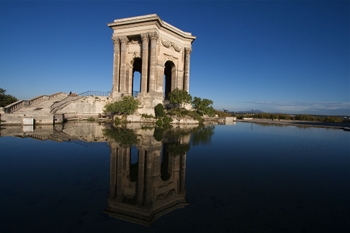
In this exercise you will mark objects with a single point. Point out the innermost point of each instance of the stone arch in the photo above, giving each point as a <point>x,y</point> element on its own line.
<point>169,77</point>
<point>136,76</point>
<point>134,163</point>
<point>165,166</point>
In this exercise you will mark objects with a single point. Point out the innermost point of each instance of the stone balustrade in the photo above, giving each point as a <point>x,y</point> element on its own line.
<point>38,99</point>
<point>53,96</point>
<point>21,103</point>
<point>14,106</point>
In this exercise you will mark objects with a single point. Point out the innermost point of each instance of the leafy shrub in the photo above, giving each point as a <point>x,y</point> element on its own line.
<point>158,134</point>
<point>159,110</point>
<point>127,106</point>
<point>117,121</point>
<point>91,119</point>
<point>203,106</point>
<point>159,122</point>
<point>146,115</point>
<point>179,97</point>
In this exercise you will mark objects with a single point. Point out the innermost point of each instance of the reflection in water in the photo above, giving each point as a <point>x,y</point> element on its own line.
<point>147,164</point>
<point>143,189</point>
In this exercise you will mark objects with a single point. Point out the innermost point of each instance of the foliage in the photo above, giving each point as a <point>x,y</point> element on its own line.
<point>184,112</point>
<point>125,137</point>
<point>159,110</point>
<point>6,99</point>
<point>158,134</point>
<point>299,117</point>
<point>222,113</point>
<point>203,106</point>
<point>91,119</point>
<point>159,122</point>
<point>127,106</point>
<point>117,121</point>
<point>266,115</point>
<point>333,119</point>
<point>176,148</point>
<point>163,119</point>
<point>144,115</point>
<point>179,97</point>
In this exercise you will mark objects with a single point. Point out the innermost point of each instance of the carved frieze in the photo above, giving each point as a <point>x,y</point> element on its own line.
<point>134,42</point>
<point>136,55</point>
<point>168,44</point>
<point>169,57</point>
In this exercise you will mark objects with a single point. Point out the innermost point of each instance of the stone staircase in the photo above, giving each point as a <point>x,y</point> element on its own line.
<point>38,108</point>
<point>58,105</point>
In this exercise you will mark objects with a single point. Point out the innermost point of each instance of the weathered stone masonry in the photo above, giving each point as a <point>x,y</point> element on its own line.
<point>157,50</point>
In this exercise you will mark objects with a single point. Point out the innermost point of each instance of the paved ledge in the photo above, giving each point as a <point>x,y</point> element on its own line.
<point>334,125</point>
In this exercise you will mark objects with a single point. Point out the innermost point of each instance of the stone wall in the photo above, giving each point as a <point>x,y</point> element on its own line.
<point>89,106</point>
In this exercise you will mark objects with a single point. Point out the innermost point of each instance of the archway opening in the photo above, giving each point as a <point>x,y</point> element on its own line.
<point>136,76</point>
<point>134,164</point>
<point>164,167</point>
<point>169,75</point>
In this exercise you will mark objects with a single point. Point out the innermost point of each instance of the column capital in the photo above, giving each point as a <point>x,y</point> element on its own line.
<point>115,39</point>
<point>153,35</point>
<point>123,39</point>
<point>188,50</point>
<point>144,36</point>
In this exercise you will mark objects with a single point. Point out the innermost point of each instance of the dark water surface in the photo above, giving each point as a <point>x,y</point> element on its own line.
<point>225,178</point>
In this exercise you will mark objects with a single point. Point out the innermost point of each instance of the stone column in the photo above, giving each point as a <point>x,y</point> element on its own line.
<point>119,180</point>
<point>182,173</point>
<point>159,78</point>
<point>148,179</point>
<point>123,40</point>
<point>130,76</point>
<point>152,69</point>
<point>141,180</point>
<point>113,170</point>
<point>144,72</point>
<point>116,65</point>
<point>186,86</point>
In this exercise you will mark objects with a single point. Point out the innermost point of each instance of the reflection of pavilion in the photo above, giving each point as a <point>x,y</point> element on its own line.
<point>142,191</point>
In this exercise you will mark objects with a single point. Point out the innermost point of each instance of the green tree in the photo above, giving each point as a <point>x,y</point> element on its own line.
<point>6,99</point>
<point>179,97</point>
<point>203,106</point>
<point>126,106</point>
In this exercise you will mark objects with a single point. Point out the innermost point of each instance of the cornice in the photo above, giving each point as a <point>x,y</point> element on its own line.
<point>154,18</point>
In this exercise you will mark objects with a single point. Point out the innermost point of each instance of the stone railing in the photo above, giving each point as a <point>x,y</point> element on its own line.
<point>95,93</point>
<point>14,106</point>
<point>21,103</point>
<point>53,96</point>
<point>38,99</point>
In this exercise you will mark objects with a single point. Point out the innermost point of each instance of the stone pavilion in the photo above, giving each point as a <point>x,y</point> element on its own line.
<point>158,51</point>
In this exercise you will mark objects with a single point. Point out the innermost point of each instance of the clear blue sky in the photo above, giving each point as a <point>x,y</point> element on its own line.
<point>275,56</point>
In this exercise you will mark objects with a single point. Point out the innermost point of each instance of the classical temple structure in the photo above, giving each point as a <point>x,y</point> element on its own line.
<point>157,50</point>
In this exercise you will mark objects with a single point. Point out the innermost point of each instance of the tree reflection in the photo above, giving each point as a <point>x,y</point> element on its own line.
<point>124,136</point>
<point>202,135</point>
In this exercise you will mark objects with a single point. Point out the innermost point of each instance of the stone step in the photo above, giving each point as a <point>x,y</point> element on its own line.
<point>39,108</point>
